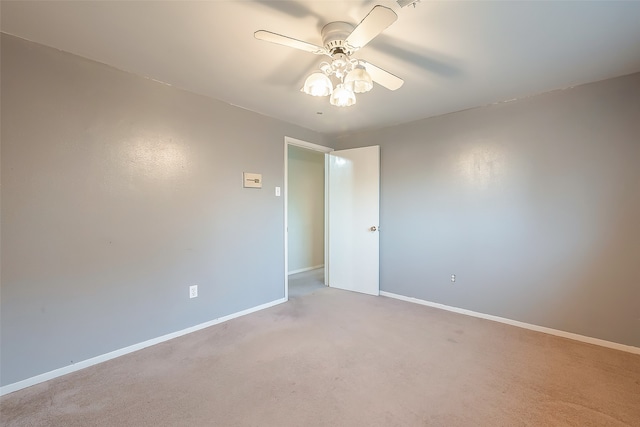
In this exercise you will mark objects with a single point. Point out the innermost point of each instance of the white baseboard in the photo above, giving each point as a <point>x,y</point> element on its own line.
<point>302,270</point>
<point>556,332</point>
<point>10,388</point>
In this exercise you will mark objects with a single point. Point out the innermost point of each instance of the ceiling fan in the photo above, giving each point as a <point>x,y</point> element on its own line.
<point>340,40</point>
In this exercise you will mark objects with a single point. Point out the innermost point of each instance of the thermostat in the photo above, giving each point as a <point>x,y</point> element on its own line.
<point>251,180</point>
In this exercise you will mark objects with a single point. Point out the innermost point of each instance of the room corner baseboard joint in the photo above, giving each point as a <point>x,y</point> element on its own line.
<point>302,270</point>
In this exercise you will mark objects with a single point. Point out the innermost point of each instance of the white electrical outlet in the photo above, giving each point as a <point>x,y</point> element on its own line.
<point>193,291</point>
<point>453,277</point>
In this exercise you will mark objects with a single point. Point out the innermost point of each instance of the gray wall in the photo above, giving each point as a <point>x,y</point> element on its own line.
<point>305,208</point>
<point>117,194</point>
<point>533,204</point>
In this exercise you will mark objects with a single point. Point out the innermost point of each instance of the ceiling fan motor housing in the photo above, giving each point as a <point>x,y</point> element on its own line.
<point>334,35</point>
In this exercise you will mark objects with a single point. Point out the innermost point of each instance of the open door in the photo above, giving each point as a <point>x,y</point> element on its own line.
<point>353,219</point>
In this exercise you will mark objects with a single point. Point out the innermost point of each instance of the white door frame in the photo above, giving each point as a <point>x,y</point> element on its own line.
<point>321,148</point>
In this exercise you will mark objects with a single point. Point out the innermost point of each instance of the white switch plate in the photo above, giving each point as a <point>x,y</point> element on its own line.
<point>193,291</point>
<point>278,191</point>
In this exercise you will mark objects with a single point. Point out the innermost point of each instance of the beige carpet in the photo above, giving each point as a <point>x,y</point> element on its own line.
<point>335,358</point>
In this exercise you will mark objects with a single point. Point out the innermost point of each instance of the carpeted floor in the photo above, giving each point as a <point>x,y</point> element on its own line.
<point>335,358</point>
<point>306,282</point>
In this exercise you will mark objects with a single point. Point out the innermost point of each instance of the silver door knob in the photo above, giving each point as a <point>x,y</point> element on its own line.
<point>373,228</point>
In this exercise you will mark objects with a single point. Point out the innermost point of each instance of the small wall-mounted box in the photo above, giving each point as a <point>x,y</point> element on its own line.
<point>251,180</point>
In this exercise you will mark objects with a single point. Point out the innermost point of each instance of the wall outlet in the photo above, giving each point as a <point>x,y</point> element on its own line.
<point>193,291</point>
<point>453,277</point>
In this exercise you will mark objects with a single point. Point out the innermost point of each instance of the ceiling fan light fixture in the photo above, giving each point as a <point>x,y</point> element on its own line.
<point>318,84</point>
<point>340,40</point>
<point>359,80</point>
<point>342,97</point>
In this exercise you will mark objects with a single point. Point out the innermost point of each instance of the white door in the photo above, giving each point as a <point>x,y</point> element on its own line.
<point>354,199</point>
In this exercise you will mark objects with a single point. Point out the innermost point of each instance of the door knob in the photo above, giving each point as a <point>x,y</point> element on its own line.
<point>373,228</point>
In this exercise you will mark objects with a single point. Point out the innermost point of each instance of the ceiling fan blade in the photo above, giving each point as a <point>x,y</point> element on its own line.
<point>382,77</point>
<point>373,24</point>
<point>288,41</point>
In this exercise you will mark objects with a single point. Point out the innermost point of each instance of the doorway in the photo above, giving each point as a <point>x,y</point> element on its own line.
<point>351,218</point>
<point>305,209</point>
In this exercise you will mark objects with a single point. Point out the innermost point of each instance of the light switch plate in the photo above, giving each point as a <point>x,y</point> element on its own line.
<point>251,180</point>
<point>277,191</point>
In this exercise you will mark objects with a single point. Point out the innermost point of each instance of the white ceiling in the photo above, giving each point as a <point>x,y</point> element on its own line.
<point>452,55</point>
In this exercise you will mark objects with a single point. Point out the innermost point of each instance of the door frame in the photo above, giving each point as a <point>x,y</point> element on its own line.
<point>315,147</point>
